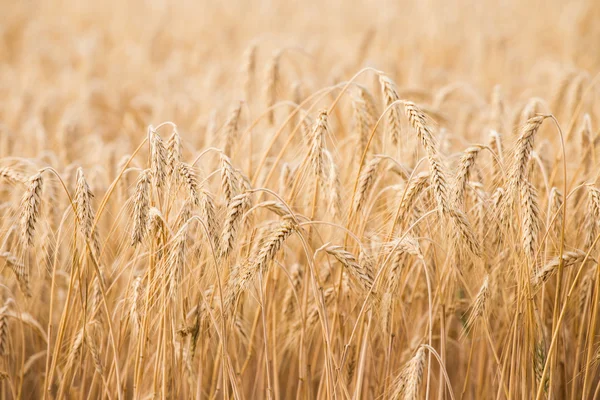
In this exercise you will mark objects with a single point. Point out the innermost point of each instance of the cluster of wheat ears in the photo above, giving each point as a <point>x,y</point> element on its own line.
<point>352,237</point>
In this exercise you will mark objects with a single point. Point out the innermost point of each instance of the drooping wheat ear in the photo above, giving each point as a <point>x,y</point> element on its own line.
<point>366,260</point>
<point>83,205</point>
<point>275,207</point>
<point>173,154</point>
<point>4,330</point>
<point>229,181</point>
<point>176,261</point>
<point>534,106</point>
<point>296,274</point>
<point>95,299</point>
<point>273,244</point>
<point>466,163</point>
<point>495,142</point>
<point>497,110</point>
<point>480,304</point>
<point>316,156</point>
<point>313,314</point>
<point>158,159</point>
<point>362,117</point>
<point>539,360</point>
<point>419,122</point>
<point>156,229</point>
<point>285,178</point>
<point>524,147</point>
<point>208,214</point>
<point>185,213</point>
<point>136,300</point>
<point>412,191</point>
<point>141,205</point>
<point>407,384</point>
<point>188,176</point>
<point>587,142</point>
<point>11,176</point>
<point>306,124</point>
<point>403,171</point>
<point>236,209</point>
<point>547,271</point>
<point>498,202</point>
<point>530,219</point>
<point>360,274</point>
<point>272,78</point>
<point>333,187</point>
<point>30,208</point>
<point>365,183</point>
<point>592,216</point>
<point>239,279</point>
<point>585,289</point>
<point>463,232</point>
<point>406,245</point>
<point>196,330</point>
<point>390,95</point>
<point>403,246</point>
<point>249,71</point>
<point>386,310</point>
<point>482,217</point>
<point>19,269</point>
<point>155,222</point>
<point>75,349</point>
<point>230,130</point>
<point>93,335</point>
<point>556,209</point>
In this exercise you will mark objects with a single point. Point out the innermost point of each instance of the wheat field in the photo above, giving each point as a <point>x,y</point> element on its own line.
<point>314,200</point>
